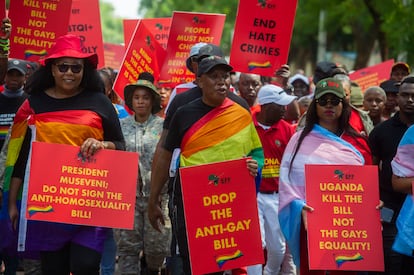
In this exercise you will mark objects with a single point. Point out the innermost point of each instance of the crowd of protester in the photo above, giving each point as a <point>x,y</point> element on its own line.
<point>279,121</point>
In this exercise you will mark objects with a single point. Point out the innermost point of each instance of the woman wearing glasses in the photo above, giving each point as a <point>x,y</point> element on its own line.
<point>66,105</point>
<point>322,141</point>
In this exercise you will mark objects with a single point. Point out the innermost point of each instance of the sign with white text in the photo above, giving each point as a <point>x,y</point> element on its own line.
<point>344,230</point>
<point>85,21</point>
<point>69,188</point>
<point>187,29</point>
<point>262,36</point>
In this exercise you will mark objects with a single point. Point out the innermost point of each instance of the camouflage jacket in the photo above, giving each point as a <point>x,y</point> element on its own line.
<point>142,138</point>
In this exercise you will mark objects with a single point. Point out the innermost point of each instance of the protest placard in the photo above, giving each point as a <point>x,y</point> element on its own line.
<point>344,230</point>
<point>3,8</point>
<point>144,54</point>
<point>187,29</point>
<point>69,188</point>
<point>221,216</point>
<point>85,21</point>
<point>159,27</point>
<point>113,54</point>
<point>36,25</point>
<point>262,36</point>
<point>372,75</point>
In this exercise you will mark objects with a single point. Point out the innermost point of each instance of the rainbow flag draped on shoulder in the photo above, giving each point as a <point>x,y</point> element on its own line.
<point>15,142</point>
<point>48,123</point>
<point>18,133</point>
<point>403,166</point>
<point>204,143</point>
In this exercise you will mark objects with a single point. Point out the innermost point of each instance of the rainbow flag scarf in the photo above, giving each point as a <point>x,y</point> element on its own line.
<point>18,133</point>
<point>227,132</point>
<point>403,166</point>
<point>15,142</point>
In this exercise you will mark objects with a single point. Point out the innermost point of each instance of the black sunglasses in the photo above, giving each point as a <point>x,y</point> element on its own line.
<point>333,101</point>
<point>64,67</point>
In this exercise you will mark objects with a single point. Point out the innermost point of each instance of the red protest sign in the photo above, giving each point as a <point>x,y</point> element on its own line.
<point>221,216</point>
<point>159,27</point>
<point>85,21</point>
<point>344,230</point>
<point>64,188</point>
<point>144,54</point>
<point>36,25</point>
<point>373,75</point>
<point>129,28</point>
<point>262,36</point>
<point>187,29</point>
<point>3,8</point>
<point>113,53</point>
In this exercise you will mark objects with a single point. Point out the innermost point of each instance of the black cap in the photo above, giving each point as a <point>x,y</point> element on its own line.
<point>19,65</point>
<point>146,76</point>
<point>209,50</point>
<point>390,86</point>
<point>210,62</point>
<point>325,69</point>
<point>407,79</point>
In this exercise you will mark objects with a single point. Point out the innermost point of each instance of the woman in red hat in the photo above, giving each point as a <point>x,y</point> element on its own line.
<point>66,105</point>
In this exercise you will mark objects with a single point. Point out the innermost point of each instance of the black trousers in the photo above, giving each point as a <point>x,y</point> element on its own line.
<point>73,258</point>
<point>180,264</point>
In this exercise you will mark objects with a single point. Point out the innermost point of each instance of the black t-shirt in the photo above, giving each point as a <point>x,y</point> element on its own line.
<point>8,109</point>
<point>190,95</point>
<point>184,117</point>
<point>384,140</point>
<point>85,102</point>
<point>182,120</point>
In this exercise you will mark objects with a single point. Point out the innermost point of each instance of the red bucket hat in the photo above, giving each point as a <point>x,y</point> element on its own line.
<point>69,45</point>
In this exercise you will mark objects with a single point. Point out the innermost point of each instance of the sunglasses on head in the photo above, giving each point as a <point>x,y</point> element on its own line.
<point>64,67</point>
<point>333,101</point>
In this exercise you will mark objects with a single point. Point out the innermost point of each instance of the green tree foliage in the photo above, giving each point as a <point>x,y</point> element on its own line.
<point>354,25</point>
<point>351,25</point>
<point>164,8</point>
<point>112,28</point>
